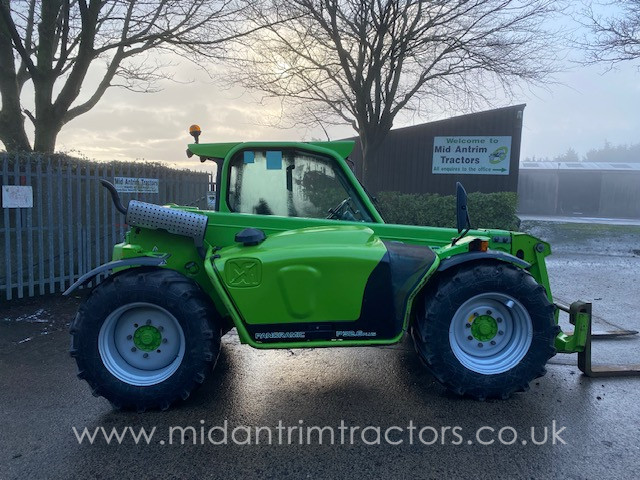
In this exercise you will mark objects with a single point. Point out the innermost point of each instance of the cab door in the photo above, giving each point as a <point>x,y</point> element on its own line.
<point>312,283</point>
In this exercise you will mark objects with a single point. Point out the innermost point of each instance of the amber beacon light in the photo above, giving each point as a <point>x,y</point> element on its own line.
<point>194,131</point>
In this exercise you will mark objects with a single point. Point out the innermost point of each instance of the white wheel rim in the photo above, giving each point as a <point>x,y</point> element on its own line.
<point>124,358</point>
<point>501,344</point>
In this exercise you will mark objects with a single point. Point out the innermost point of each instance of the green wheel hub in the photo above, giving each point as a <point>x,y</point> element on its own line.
<point>147,338</point>
<point>484,328</point>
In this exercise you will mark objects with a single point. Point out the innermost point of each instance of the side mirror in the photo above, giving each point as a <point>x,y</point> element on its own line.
<point>463,222</point>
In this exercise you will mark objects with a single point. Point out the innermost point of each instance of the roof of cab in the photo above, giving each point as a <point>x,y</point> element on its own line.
<point>220,150</point>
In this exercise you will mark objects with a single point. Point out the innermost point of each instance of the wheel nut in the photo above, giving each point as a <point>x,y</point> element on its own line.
<point>468,325</point>
<point>480,345</point>
<point>160,328</point>
<point>148,322</point>
<point>500,332</point>
<point>493,342</point>
<point>133,349</point>
<point>469,337</point>
<point>499,320</point>
<point>145,355</point>
<point>488,312</point>
<point>129,337</point>
<point>475,314</point>
<point>164,340</point>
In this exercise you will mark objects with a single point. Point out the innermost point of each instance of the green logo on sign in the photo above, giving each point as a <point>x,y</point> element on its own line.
<point>499,155</point>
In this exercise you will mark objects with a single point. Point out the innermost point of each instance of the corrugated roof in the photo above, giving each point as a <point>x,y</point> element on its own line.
<point>584,166</point>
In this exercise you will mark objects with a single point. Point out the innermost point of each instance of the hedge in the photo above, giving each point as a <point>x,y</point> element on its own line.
<point>487,210</point>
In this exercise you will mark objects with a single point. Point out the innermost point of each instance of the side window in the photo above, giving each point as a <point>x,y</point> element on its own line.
<point>291,183</point>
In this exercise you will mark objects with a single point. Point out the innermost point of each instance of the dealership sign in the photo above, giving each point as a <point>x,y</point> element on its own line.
<point>136,185</point>
<point>471,155</point>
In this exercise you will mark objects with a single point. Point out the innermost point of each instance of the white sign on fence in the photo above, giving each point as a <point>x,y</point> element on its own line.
<point>136,185</point>
<point>471,155</point>
<point>16,196</point>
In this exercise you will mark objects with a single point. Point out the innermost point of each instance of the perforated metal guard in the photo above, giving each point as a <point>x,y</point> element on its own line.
<point>155,217</point>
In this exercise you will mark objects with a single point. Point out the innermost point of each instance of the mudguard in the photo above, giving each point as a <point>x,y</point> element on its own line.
<point>488,255</point>
<point>127,262</point>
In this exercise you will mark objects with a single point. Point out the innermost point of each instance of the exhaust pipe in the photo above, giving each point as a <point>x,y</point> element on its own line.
<point>114,196</point>
<point>155,217</point>
<point>178,222</point>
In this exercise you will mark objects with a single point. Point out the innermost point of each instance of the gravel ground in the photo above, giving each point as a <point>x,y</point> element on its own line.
<point>597,263</point>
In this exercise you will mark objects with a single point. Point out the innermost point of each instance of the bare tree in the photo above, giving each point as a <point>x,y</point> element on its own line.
<point>361,62</point>
<point>55,43</point>
<point>613,38</point>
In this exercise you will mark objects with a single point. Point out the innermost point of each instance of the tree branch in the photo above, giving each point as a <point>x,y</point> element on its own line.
<point>5,15</point>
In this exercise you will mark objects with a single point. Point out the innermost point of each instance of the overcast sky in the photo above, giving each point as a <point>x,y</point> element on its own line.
<point>587,107</point>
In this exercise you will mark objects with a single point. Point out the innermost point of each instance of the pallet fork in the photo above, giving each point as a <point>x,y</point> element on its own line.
<point>581,341</point>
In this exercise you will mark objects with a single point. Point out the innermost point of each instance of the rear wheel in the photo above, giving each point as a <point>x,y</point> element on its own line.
<point>145,338</point>
<point>486,330</point>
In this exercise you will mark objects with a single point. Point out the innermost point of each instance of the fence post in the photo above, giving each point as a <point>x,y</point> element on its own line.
<point>107,241</point>
<point>41,281</point>
<point>7,229</point>
<point>30,265</point>
<point>18,253</point>
<point>78,219</point>
<point>60,224</point>
<point>96,198</point>
<point>87,225</point>
<point>52,271</point>
<point>70,224</point>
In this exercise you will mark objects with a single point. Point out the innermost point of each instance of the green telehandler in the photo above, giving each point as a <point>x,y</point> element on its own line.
<point>296,255</point>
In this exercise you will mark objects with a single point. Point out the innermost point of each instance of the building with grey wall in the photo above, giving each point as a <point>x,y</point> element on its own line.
<point>482,150</point>
<point>580,188</point>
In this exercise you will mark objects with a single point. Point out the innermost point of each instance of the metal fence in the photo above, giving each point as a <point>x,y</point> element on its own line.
<point>73,225</point>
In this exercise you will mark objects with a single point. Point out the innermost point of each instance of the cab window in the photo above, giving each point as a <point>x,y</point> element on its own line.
<point>292,183</point>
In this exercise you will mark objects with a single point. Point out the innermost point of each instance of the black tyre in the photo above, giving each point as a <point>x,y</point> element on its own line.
<point>145,338</point>
<point>486,330</point>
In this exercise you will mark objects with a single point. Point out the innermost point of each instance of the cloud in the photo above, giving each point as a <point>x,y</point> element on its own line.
<point>587,108</point>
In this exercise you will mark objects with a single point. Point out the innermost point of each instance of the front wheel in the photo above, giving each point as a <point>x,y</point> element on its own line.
<point>145,338</point>
<point>486,330</point>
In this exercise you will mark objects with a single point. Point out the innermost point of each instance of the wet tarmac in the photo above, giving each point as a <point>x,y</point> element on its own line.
<point>386,389</point>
